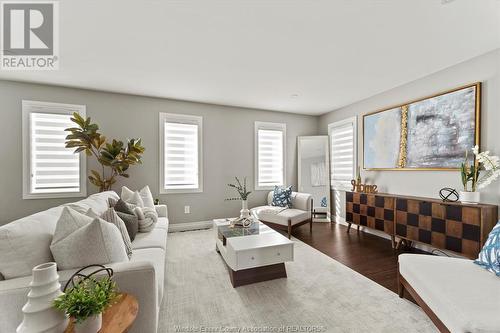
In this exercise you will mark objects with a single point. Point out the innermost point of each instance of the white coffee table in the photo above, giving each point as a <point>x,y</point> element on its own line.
<point>252,254</point>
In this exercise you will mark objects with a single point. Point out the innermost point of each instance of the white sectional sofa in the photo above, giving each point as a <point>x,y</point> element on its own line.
<point>25,242</point>
<point>457,295</point>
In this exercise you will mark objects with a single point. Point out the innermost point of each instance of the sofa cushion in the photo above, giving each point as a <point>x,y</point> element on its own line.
<point>153,239</point>
<point>24,243</point>
<point>111,217</point>
<point>145,194</point>
<point>464,296</point>
<point>280,215</point>
<point>80,240</point>
<point>156,256</point>
<point>282,196</point>
<point>489,257</point>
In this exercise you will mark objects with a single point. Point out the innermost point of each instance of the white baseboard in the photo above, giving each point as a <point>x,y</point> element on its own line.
<point>177,227</point>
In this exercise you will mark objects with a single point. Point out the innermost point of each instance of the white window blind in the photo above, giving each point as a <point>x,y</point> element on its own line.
<point>51,169</point>
<point>181,153</point>
<point>342,152</point>
<point>270,155</point>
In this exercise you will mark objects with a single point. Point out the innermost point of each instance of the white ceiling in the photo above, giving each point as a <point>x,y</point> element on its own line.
<point>298,56</point>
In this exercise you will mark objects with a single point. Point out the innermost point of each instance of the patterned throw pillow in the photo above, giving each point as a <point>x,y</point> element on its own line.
<point>489,257</point>
<point>282,196</point>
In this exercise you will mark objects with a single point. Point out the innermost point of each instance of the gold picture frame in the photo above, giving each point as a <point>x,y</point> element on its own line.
<point>403,132</point>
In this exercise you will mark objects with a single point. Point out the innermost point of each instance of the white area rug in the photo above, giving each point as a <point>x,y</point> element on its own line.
<point>319,295</point>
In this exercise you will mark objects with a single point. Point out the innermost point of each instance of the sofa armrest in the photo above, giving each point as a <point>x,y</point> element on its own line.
<point>302,201</point>
<point>161,210</point>
<point>135,278</point>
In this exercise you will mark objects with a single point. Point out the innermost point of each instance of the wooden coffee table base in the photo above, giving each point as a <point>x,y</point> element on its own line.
<point>257,274</point>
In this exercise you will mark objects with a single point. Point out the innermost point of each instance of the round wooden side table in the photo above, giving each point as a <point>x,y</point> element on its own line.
<point>117,318</point>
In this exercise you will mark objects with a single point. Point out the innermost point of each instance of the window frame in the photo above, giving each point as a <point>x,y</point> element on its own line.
<point>261,125</point>
<point>183,119</point>
<point>29,107</point>
<point>354,121</point>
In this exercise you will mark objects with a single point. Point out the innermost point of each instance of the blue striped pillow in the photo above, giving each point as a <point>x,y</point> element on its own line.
<point>282,196</point>
<point>489,257</point>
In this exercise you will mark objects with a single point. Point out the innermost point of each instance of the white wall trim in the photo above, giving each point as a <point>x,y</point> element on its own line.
<point>183,119</point>
<point>28,107</point>
<point>178,227</point>
<point>261,125</point>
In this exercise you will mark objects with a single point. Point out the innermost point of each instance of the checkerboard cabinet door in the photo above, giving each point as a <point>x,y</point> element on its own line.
<point>372,211</point>
<point>448,226</point>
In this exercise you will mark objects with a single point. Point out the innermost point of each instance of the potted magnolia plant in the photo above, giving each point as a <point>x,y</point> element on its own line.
<point>86,302</point>
<point>243,196</point>
<point>477,174</point>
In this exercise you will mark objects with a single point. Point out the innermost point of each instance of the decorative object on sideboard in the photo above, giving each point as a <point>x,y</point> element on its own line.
<point>38,313</point>
<point>87,298</point>
<point>245,219</point>
<point>480,172</point>
<point>448,194</point>
<point>357,186</point>
<point>406,136</point>
<point>115,156</point>
<point>157,202</point>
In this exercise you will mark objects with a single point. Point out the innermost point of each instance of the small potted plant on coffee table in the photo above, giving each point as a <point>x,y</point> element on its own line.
<point>86,302</point>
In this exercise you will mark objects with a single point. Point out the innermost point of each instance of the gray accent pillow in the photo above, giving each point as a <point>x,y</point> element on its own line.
<point>131,223</point>
<point>111,217</point>
<point>80,240</point>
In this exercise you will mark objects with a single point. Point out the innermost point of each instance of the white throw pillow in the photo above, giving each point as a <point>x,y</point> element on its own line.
<point>80,240</point>
<point>111,217</point>
<point>144,193</point>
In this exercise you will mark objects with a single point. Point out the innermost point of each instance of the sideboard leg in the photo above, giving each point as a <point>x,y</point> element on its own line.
<point>393,242</point>
<point>349,227</point>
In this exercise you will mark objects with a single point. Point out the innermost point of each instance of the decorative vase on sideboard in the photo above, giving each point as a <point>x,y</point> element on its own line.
<point>38,313</point>
<point>470,197</point>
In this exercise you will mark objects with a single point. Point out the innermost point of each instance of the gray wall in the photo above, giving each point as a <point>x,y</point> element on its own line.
<point>485,68</point>
<point>228,146</point>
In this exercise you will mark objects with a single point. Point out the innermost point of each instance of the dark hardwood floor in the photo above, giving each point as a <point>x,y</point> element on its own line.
<point>365,253</point>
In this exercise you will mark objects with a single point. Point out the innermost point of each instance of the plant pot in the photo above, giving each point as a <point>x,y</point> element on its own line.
<point>90,325</point>
<point>38,313</point>
<point>244,212</point>
<point>470,197</point>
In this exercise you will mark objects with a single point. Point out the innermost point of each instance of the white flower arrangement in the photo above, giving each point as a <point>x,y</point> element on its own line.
<point>473,173</point>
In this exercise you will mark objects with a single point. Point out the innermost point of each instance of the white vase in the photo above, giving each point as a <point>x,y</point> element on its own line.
<point>470,197</point>
<point>90,325</point>
<point>244,212</point>
<point>38,313</point>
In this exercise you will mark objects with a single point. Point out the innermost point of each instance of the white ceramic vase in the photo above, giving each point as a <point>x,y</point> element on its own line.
<point>38,313</point>
<point>470,197</point>
<point>244,212</point>
<point>90,325</point>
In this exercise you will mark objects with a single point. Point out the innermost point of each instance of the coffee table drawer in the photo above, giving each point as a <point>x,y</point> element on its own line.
<point>264,256</point>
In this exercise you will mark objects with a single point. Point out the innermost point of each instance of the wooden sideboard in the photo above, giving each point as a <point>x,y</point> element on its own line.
<point>452,226</point>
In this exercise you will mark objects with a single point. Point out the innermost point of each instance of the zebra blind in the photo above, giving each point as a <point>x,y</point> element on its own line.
<point>51,167</point>
<point>270,155</point>
<point>181,152</point>
<point>342,152</point>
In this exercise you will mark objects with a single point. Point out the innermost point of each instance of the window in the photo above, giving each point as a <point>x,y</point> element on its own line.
<point>269,155</point>
<point>343,152</point>
<point>50,170</point>
<point>180,153</point>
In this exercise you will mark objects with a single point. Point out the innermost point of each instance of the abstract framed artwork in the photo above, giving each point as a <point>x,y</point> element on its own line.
<point>432,133</point>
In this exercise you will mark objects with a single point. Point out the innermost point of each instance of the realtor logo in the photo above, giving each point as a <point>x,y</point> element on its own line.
<point>29,36</point>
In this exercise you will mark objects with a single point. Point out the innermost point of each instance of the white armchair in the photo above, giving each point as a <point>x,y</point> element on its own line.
<point>284,218</point>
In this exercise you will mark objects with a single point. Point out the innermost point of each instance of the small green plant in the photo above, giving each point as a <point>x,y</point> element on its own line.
<point>241,189</point>
<point>87,298</point>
